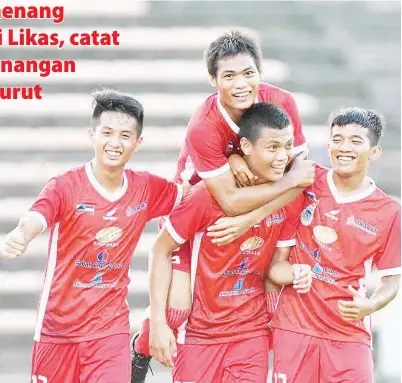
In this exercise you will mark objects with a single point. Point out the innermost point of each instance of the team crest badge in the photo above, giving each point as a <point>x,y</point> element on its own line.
<point>307,214</point>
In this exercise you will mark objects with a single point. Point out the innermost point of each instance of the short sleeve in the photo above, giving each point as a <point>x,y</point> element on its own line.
<point>164,196</point>
<point>292,218</point>
<point>194,214</point>
<point>49,202</point>
<point>388,258</point>
<point>206,150</point>
<point>293,113</point>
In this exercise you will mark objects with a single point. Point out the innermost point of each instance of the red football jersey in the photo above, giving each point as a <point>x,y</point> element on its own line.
<point>228,281</point>
<point>212,135</point>
<point>342,238</point>
<point>93,235</point>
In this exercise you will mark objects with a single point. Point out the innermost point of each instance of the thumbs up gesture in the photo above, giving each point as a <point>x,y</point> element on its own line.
<point>14,245</point>
<point>355,309</point>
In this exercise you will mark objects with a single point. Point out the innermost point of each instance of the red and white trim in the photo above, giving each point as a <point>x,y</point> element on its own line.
<point>299,149</point>
<point>287,243</point>
<point>51,267</point>
<point>214,173</point>
<point>172,232</point>
<point>179,197</point>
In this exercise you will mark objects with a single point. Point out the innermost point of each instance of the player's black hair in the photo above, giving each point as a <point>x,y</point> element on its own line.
<point>259,116</point>
<point>231,44</point>
<point>369,119</point>
<point>110,100</point>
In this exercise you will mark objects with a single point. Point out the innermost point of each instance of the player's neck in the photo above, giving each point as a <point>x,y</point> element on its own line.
<point>110,179</point>
<point>234,114</point>
<point>354,184</point>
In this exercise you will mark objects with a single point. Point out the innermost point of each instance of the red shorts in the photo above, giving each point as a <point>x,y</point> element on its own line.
<point>181,258</point>
<point>105,360</point>
<point>240,362</point>
<point>300,358</point>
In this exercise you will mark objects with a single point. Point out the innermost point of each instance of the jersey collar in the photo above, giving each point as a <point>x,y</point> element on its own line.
<point>111,197</point>
<point>353,198</point>
<point>226,116</point>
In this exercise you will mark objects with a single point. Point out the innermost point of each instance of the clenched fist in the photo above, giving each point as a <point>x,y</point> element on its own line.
<point>14,245</point>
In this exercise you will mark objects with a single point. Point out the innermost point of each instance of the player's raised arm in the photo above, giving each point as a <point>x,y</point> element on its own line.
<point>17,241</point>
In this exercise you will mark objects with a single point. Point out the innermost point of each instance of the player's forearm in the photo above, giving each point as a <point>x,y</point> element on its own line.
<point>385,292</point>
<point>31,226</point>
<point>160,277</point>
<point>281,273</point>
<point>242,200</point>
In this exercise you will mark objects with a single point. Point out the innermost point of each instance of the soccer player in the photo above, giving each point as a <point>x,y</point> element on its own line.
<point>226,336</point>
<point>96,214</point>
<point>348,226</point>
<point>234,65</point>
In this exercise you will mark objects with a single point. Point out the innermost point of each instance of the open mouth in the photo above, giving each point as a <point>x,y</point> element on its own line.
<point>345,159</point>
<point>279,168</point>
<point>241,95</point>
<point>113,154</point>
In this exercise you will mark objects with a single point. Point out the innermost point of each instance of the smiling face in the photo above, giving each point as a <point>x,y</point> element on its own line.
<point>115,139</point>
<point>350,150</point>
<point>268,156</point>
<point>237,80</point>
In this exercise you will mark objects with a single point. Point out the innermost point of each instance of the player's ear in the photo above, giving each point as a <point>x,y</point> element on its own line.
<point>245,146</point>
<point>212,81</point>
<point>138,144</point>
<point>375,152</point>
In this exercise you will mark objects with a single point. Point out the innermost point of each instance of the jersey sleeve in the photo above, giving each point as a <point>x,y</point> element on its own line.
<point>193,215</point>
<point>388,258</point>
<point>293,210</point>
<point>49,202</point>
<point>206,151</point>
<point>293,112</point>
<point>164,196</point>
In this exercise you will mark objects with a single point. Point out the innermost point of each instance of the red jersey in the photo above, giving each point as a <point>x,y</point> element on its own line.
<point>342,238</point>
<point>93,235</point>
<point>228,288</point>
<point>212,135</point>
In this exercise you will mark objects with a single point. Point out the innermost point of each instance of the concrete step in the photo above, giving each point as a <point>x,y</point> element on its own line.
<point>151,72</point>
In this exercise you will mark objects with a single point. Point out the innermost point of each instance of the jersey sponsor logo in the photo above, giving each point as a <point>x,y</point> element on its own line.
<point>84,208</point>
<point>238,289</point>
<point>312,196</point>
<point>108,235</point>
<point>96,282</point>
<point>324,278</point>
<point>333,214</point>
<point>109,216</point>
<point>325,234</point>
<point>101,262</point>
<point>274,219</point>
<point>251,244</point>
<point>131,210</point>
<point>367,228</point>
<point>243,269</point>
<point>307,214</point>
<point>316,254</point>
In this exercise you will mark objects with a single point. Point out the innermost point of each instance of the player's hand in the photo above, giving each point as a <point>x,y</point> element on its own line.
<point>302,171</point>
<point>355,309</point>
<point>225,230</point>
<point>303,278</point>
<point>14,244</point>
<point>243,175</point>
<point>162,344</point>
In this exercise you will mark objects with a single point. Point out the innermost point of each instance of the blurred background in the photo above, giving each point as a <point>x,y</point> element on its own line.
<point>329,54</point>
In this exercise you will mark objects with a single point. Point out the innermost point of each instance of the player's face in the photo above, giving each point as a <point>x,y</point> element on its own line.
<point>115,139</point>
<point>350,150</point>
<point>237,80</point>
<point>269,155</point>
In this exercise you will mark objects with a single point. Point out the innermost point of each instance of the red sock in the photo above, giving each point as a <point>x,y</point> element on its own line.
<point>174,318</point>
<point>272,300</point>
<point>141,344</point>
